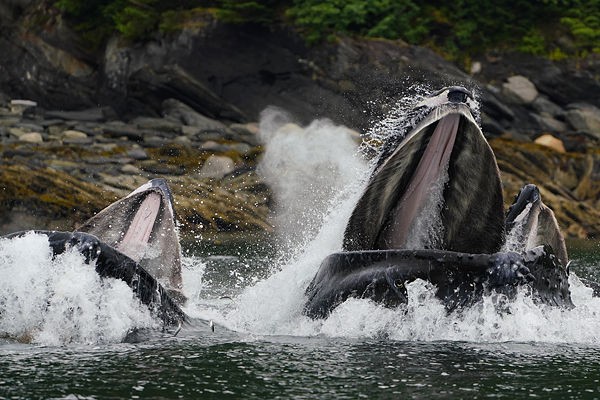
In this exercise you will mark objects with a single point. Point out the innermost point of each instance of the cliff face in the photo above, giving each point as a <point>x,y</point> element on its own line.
<point>219,77</point>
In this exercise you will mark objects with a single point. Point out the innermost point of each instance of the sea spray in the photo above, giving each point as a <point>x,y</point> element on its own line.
<point>60,300</point>
<point>274,306</point>
<point>307,167</point>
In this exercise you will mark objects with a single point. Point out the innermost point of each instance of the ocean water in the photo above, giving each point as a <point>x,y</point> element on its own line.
<point>62,328</point>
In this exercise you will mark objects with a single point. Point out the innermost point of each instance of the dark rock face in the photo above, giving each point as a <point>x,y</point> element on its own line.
<point>166,105</point>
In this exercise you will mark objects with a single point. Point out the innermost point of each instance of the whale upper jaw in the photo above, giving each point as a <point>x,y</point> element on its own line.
<point>444,151</point>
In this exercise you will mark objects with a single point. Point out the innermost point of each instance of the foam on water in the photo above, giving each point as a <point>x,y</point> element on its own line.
<point>58,300</point>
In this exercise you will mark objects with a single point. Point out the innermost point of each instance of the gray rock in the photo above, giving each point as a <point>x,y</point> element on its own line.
<point>51,122</point>
<point>73,134</point>
<point>19,106</point>
<point>137,153</point>
<point>31,137</point>
<point>17,132</point>
<point>154,140</point>
<point>91,129</point>
<point>548,123</point>
<point>178,111</point>
<point>157,124</point>
<point>520,90</point>
<point>30,126</point>
<point>190,130</point>
<point>120,129</point>
<point>211,145</point>
<point>91,114</point>
<point>9,121</point>
<point>182,140</point>
<point>131,169</point>
<point>584,118</point>
<point>542,105</point>
<point>217,167</point>
<point>241,148</point>
<point>63,165</point>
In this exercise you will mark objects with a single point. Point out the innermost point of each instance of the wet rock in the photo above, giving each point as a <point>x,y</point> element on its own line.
<point>9,121</point>
<point>585,118</point>
<point>190,130</point>
<point>150,86</point>
<point>217,167</point>
<point>63,165</point>
<point>126,183</point>
<point>559,176</point>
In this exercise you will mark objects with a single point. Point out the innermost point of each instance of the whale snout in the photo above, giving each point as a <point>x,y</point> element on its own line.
<point>458,94</point>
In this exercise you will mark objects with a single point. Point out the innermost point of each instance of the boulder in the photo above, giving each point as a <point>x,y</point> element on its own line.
<point>184,114</point>
<point>31,137</point>
<point>216,167</point>
<point>551,142</point>
<point>73,134</point>
<point>18,106</point>
<point>519,90</point>
<point>584,118</point>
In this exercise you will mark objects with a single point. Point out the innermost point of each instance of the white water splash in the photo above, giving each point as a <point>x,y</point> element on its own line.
<point>306,167</point>
<point>274,305</point>
<point>62,300</point>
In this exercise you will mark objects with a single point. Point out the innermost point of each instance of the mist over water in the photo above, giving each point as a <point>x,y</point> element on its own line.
<point>307,167</point>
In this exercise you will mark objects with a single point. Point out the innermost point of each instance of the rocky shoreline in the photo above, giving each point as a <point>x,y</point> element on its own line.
<point>61,167</point>
<point>81,128</point>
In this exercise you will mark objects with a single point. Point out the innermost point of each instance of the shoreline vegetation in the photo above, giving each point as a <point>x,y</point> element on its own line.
<point>458,30</point>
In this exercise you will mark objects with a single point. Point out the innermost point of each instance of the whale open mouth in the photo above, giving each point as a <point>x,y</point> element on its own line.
<point>142,226</point>
<point>442,174</point>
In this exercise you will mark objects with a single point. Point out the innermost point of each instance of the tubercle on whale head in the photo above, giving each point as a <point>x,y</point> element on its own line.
<point>450,94</point>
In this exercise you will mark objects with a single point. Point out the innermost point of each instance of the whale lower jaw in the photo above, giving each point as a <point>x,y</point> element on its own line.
<point>461,279</point>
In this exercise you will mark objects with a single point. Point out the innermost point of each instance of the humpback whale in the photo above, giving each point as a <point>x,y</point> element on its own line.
<point>133,239</point>
<point>433,209</point>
